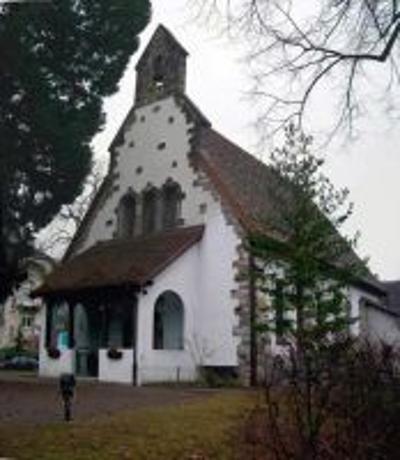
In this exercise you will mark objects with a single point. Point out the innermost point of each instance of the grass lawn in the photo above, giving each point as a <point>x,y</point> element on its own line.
<point>204,429</point>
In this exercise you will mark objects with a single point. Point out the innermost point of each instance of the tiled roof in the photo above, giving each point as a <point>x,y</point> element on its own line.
<point>113,263</point>
<point>246,183</point>
<point>252,189</point>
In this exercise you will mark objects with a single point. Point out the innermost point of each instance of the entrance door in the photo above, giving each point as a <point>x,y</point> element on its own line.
<point>87,340</point>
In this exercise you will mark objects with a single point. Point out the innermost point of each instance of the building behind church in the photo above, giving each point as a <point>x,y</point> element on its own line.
<point>20,319</point>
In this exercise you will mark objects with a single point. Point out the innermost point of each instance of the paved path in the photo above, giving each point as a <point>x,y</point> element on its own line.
<point>28,399</point>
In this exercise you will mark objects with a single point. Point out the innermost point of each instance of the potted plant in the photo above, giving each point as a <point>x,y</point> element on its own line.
<point>53,352</point>
<point>114,353</point>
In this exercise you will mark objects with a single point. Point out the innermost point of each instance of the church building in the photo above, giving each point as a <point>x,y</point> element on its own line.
<point>150,287</point>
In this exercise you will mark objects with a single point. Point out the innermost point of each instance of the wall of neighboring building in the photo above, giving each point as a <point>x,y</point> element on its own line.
<point>379,326</point>
<point>356,298</point>
<point>377,320</point>
<point>9,322</point>
<point>20,312</point>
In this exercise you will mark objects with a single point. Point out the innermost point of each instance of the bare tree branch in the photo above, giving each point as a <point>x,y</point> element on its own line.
<point>56,238</point>
<point>301,46</point>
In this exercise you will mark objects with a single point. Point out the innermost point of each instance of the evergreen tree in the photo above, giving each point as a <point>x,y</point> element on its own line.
<point>307,266</point>
<point>58,59</point>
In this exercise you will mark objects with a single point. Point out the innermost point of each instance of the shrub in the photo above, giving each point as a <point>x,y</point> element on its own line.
<point>333,402</point>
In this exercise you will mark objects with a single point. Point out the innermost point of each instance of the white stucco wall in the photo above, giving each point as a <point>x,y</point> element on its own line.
<point>215,341</point>
<point>112,370</point>
<point>140,151</point>
<point>49,367</point>
<point>203,278</point>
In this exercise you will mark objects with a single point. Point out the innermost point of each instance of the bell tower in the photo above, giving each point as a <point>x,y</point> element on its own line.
<point>161,70</point>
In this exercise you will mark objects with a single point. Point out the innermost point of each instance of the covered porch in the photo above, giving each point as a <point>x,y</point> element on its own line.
<point>91,323</point>
<point>92,334</point>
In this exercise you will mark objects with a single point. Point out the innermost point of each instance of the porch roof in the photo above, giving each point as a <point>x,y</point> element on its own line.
<point>134,261</point>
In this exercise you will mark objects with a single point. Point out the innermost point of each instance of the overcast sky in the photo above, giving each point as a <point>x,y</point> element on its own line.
<point>217,82</point>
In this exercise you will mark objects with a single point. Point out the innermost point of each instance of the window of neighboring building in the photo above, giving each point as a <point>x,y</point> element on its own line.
<point>168,322</point>
<point>126,216</point>
<point>27,320</point>
<point>149,211</point>
<point>171,205</point>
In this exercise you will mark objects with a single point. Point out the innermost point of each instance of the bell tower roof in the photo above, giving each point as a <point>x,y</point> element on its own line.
<point>161,70</point>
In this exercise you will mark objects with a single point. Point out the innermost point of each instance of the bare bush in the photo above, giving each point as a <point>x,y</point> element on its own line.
<point>337,402</point>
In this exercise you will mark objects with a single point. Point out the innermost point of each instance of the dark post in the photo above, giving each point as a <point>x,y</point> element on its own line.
<point>67,389</point>
<point>71,326</point>
<point>134,341</point>
<point>49,307</point>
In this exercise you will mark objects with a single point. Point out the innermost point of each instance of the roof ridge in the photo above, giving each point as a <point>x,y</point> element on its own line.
<point>160,29</point>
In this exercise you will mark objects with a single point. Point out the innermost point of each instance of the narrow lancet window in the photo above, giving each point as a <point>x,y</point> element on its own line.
<point>149,211</point>
<point>126,216</point>
<point>171,205</point>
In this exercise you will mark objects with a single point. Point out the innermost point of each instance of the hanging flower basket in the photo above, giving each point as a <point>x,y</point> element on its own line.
<point>114,353</point>
<point>53,353</point>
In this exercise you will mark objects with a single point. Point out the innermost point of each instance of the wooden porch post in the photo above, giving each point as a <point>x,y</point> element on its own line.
<point>49,307</point>
<point>71,325</point>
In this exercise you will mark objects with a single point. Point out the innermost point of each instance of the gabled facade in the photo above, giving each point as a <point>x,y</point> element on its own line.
<point>150,288</point>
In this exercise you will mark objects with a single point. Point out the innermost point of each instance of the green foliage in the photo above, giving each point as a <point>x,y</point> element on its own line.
<point>305,268</point>
<point>57,61</point>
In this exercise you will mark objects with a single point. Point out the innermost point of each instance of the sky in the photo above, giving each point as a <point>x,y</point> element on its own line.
<point>218,81</point>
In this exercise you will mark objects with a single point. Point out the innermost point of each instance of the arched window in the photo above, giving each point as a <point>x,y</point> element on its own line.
<point>168,322</point>
<point>149,211</point>
<point>126,216</point>
<point>171,205</point>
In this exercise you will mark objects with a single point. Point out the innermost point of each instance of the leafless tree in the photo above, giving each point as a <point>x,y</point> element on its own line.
<point>55,238</point>
<point>305,44</point>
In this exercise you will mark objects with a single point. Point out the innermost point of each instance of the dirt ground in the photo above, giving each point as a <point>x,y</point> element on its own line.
<point>28,399</point>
